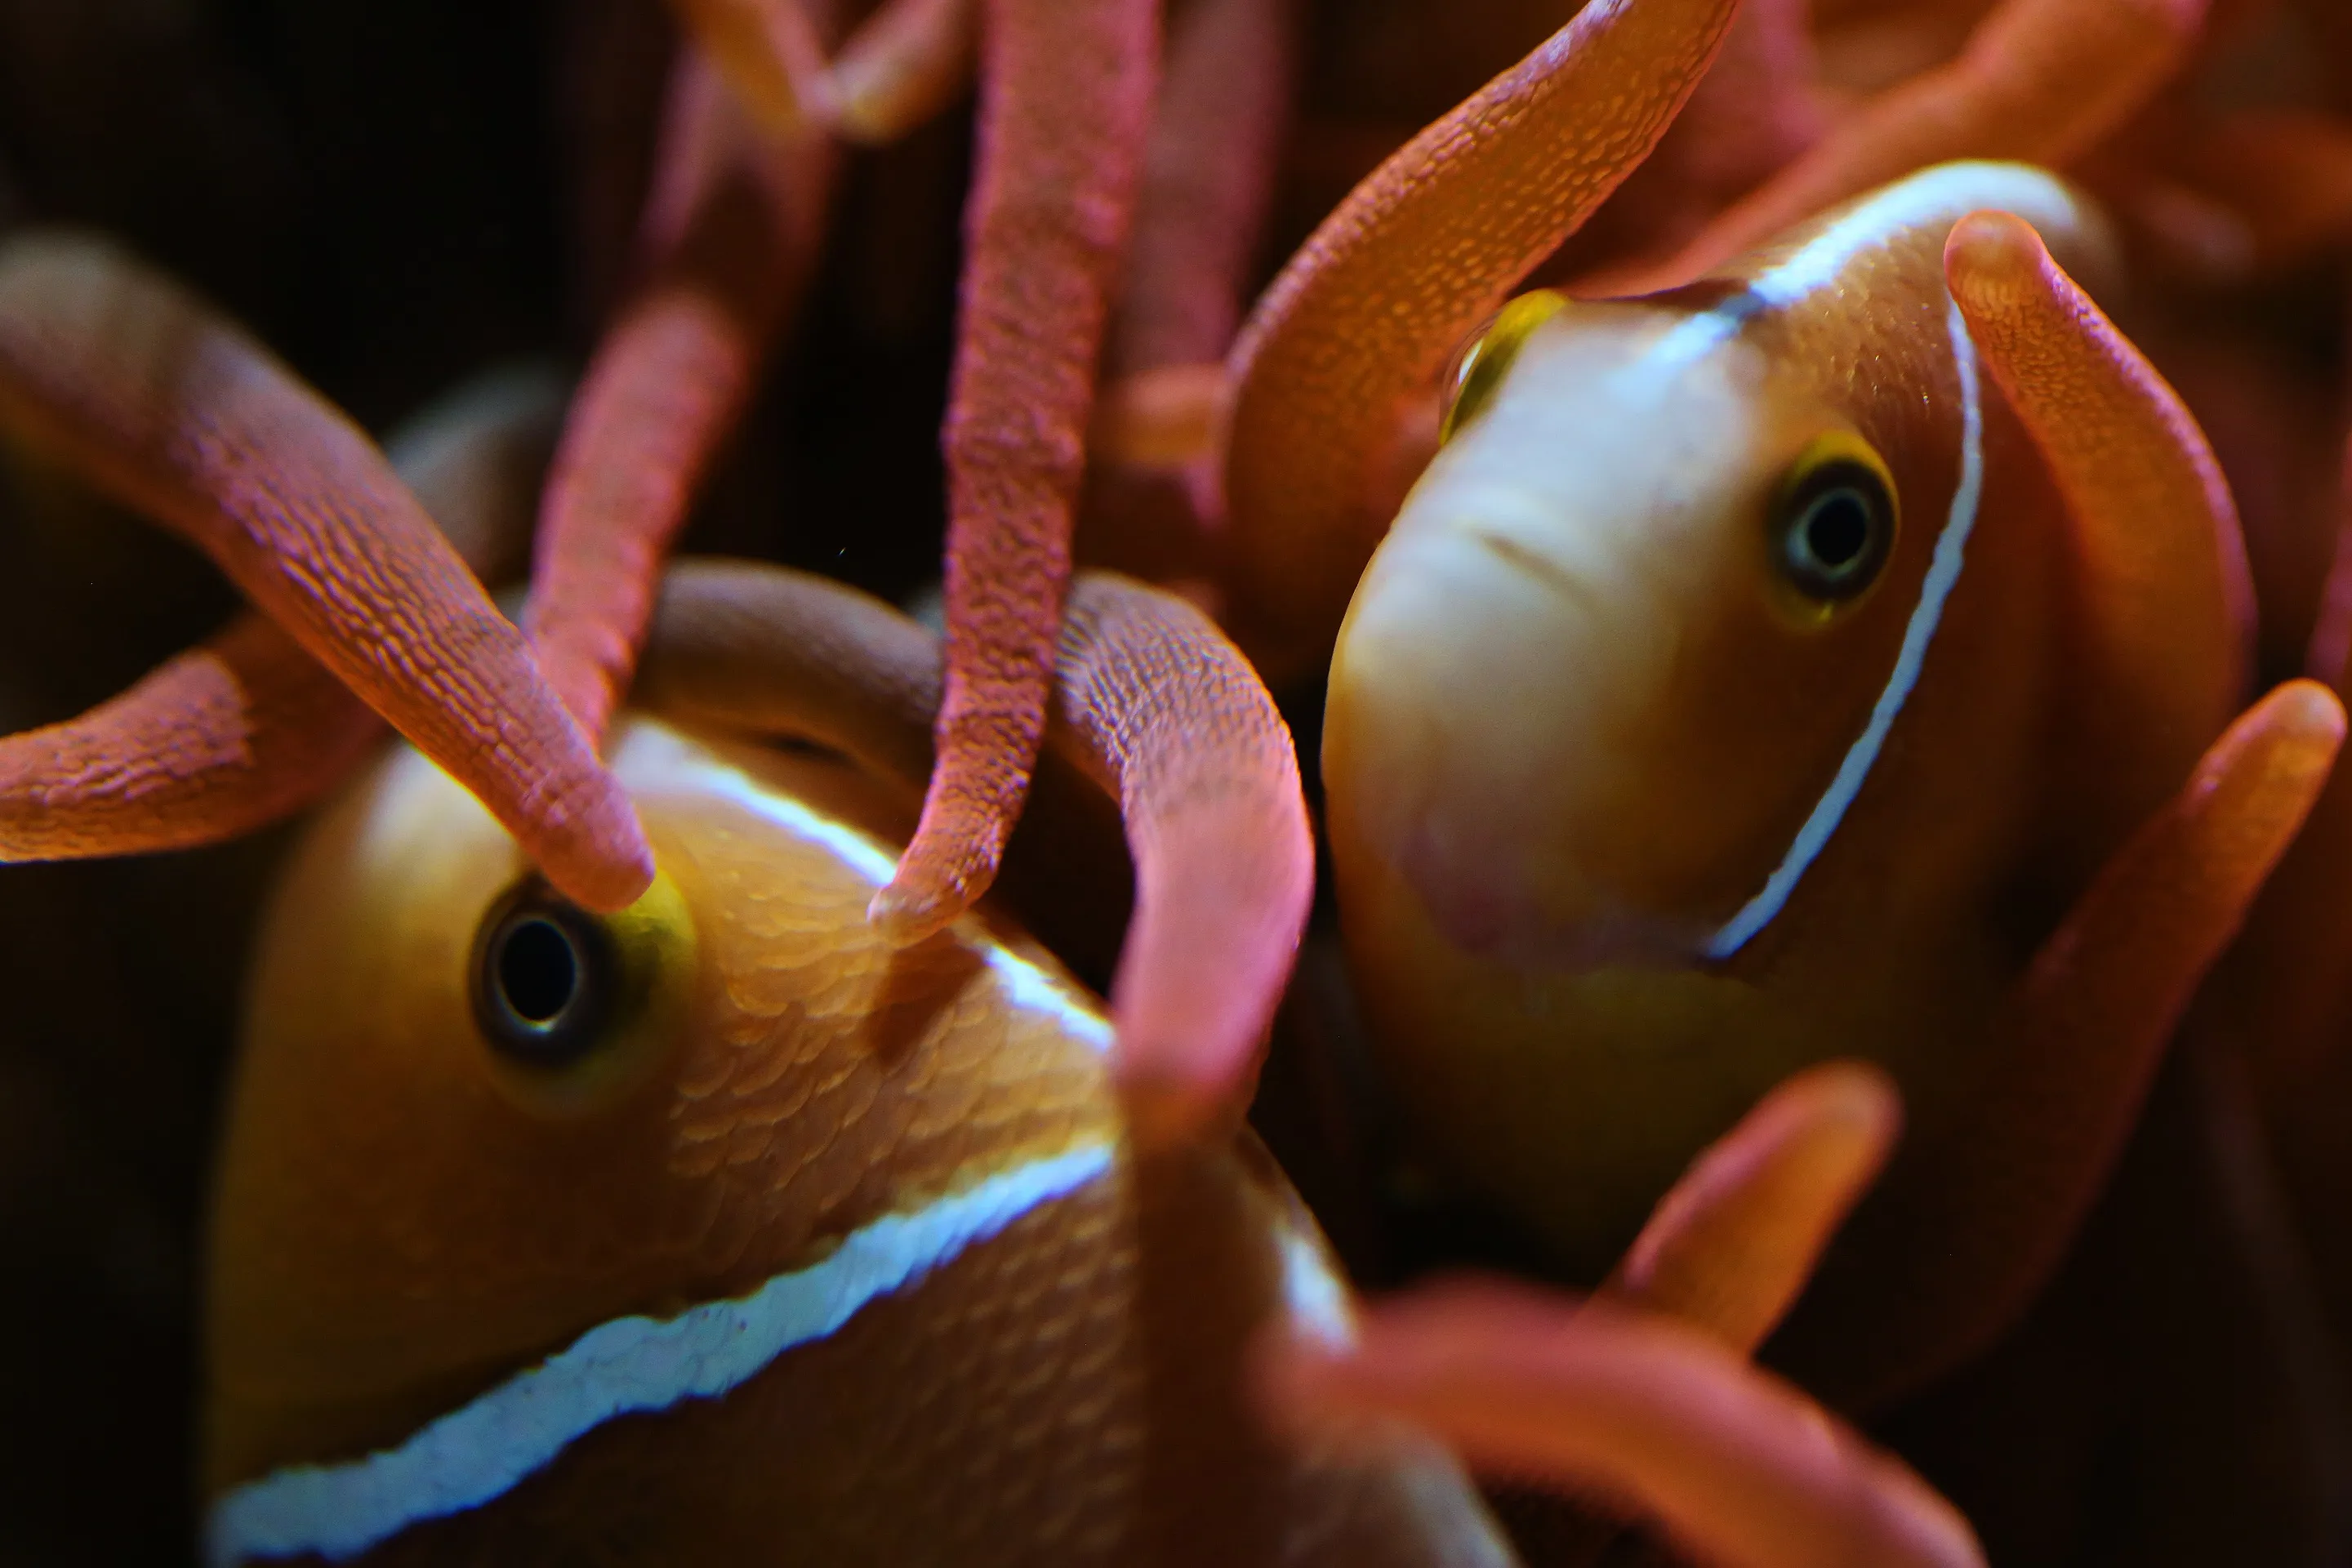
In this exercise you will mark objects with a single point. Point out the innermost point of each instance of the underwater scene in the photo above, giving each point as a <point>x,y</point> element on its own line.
<point>1176,782</point>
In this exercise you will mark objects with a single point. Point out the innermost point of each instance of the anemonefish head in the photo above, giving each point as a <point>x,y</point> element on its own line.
<point>474,1124</point>
<point>1629,578</point>
<point>1637,648</point>
<point>722,1229</point>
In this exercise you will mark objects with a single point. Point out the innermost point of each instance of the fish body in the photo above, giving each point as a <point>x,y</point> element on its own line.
<point>1720,702</point>
<point>819,1250</point>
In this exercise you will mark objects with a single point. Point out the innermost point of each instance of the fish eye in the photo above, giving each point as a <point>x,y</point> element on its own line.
<point>545,978</point>
<point>1480,365</point>
<point>1832,526</point>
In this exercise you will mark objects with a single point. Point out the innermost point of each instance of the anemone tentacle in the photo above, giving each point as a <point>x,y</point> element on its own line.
<point>173,409</point>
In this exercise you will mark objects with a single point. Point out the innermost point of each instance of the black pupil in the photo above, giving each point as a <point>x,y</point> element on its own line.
<point>538,969</point>
<point>1837,529</point>
<point>543,972</point>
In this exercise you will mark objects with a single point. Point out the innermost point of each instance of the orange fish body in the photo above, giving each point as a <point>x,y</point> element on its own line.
<point>719,1230</point>
<point>1722,702</point>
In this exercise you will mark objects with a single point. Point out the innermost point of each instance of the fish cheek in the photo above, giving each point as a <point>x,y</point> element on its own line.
<point>387,1217</point>
<point>1569,1099</point>
<point>1759,710</point>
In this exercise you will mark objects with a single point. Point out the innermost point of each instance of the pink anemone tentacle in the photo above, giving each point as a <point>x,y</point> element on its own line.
<point>735,224</point>
<point>1151,702</point>
<point>1742,1470</point>
<point>181,415</point>
<point>2039,81</point>
<point>2079,1044</point>
<point>1366,310</point>
<point>220,741</point>
<point>1066,108</point>
<point>1170,717</point>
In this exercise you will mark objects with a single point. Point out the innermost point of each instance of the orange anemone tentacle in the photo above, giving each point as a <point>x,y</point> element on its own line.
<point>2082,1036</point>
<point>1759,107</point>
<point>1363,313</point>
<point>181,415</point>
<point>737,226</point>
<point>1065,106</point>
<point>2166,593</point>
<point>905,63</point>
<point>2039,81</point>
<point>1741,1468</point>
<point>759,649</point>
<point>1172,719</point>
<point>770,54</point>
<point>1728,1248</point>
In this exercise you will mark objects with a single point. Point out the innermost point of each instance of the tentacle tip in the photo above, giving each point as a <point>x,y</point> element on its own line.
<point>609,882</point>
<point>906,909</point>
<point>1990,251</point>
<point>604,862</point>
<point>2310,707</point>
<point>855,108</point>
<point>1858,1093</point>
<point>942,873</point>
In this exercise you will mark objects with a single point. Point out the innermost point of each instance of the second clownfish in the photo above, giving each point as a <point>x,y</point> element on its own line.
<point>1768,670</point>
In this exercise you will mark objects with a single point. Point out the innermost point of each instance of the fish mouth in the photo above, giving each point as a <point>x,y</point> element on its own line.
<point>1531,564</point>
<point>1504,922</point>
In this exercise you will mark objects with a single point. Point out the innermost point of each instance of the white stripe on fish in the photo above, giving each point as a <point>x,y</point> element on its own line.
<point>478,1453</point>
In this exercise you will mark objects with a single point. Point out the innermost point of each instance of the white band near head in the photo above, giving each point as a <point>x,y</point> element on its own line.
<point>476,1454</point>
<point>1943,573</point>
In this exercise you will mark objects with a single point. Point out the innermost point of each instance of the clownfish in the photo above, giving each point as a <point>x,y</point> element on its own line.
<point>721,1230</point>
<point>1739,687</point>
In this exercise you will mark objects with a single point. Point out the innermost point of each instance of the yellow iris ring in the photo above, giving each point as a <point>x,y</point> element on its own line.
<point>1830,446</point>
<point>653,946</point>
<point>1481,367</point>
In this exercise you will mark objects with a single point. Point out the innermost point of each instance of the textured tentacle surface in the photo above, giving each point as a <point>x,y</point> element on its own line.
<point>905,63</point>
<point>1741,1468</point>
<point>1729,1247</point>
<point>248,728</point>
<point>181,416</point>
<point>1176,724</point>
<point>223,739</point>
<point>2039,81</point>
<point>2165,594</point>
<point>1065,106</point>
<point>2082,1040</point>
<point>1363,313</point>
<point>670,381</point>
